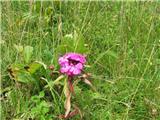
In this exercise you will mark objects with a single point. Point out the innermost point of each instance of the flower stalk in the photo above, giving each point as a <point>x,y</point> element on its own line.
<point>72,65</point>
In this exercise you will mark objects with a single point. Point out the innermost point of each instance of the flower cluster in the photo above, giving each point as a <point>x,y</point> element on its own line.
<point>72,63</point>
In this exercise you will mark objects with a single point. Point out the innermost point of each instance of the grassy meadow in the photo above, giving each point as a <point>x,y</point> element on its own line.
<point>120,39</point>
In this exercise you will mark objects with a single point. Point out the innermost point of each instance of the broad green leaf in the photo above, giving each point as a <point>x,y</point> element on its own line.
<point>33,67</point>
<point>20,74</point>
<point>28,51</point>
<point>23,76</point>
<point>16,67</point>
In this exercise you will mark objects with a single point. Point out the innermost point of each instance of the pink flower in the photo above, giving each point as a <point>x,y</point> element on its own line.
<point>72,63</point>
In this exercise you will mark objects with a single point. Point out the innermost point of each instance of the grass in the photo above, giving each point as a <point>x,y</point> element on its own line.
<point>123,41</point>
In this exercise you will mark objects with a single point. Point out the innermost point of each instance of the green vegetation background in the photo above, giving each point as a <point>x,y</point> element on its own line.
<point>123,39</point>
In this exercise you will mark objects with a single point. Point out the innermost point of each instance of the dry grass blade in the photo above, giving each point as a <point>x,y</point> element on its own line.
<point>67,104</point>
<point>89,83</point>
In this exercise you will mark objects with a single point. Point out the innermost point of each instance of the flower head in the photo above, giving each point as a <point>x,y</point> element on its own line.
<point>72,63</point>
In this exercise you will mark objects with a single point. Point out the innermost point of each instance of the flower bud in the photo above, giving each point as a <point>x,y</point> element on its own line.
<point>51,67</point>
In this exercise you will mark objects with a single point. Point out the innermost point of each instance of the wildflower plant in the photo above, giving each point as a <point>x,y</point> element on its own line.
<point>65,73</point>
<point>72,65</point>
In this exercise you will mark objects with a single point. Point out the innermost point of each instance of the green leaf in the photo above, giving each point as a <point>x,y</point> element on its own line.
<point>34,110</point>
<point>18,73</point>
<point>41,94</point>
<point>33,67</point>
<point>16,66</point>
<point>25,77</point>
<point>35,99</point>
<point>28,51</point>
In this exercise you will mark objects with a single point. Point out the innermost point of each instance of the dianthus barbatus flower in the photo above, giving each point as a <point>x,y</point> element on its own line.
<point>72,63</point>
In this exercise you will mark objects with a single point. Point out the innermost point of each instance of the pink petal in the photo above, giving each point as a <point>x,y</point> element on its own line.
<point>76,71</point>
<point>62,61</point>
<point>64,69</point>
<point>71,69</point>
<point>82,59</point>
<point>79,66</point>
